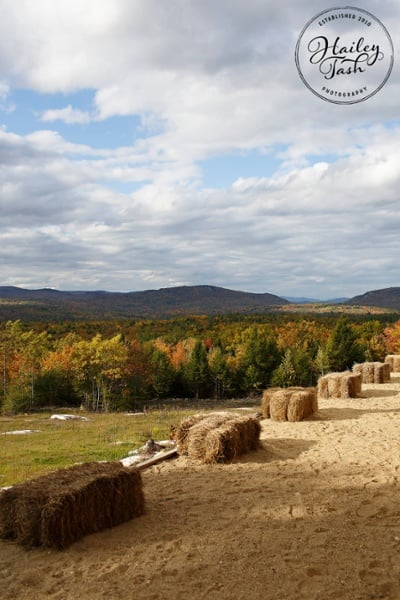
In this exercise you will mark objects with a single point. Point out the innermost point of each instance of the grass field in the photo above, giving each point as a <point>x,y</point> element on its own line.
<point>54,444</point>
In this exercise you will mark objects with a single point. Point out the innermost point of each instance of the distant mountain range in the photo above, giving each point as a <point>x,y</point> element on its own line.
<point>304,300</point>
<point>386,298</point>
<point>53,305</point>
<point>47,304</point>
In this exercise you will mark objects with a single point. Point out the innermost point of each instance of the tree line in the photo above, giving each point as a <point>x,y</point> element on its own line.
<point>113,366</point>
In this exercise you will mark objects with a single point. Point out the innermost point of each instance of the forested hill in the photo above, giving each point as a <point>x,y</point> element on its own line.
<point>385,298</point>
<point>54,305</point>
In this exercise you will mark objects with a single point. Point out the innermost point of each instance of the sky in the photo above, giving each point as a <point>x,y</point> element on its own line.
<point>150,143</point>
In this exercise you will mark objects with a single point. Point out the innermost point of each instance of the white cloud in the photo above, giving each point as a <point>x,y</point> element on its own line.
<point>206,78</point>
<point>67,114</point>
<point>4,90</point>
<point>306,228</point>
<point>5,105</point>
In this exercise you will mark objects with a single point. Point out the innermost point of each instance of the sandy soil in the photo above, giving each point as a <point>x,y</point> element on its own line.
<point>314,514</point>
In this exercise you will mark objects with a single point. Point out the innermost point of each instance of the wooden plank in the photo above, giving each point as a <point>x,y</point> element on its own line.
<point>159,457</point>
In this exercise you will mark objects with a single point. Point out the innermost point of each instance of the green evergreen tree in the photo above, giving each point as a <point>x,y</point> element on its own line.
<point>304,368</point>
<point>343,348</point>
<point>197,373</point>
<point>260,358</point>
<point>285,374</point>
<point>219,372</point>
<point>163,374</point>
<point>55,388</point>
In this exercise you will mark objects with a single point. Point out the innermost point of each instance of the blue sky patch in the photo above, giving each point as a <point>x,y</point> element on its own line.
<point>222,171</point>
<point>29,106</point>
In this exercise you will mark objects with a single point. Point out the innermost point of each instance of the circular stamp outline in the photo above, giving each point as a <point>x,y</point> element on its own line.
<point>317,16</point>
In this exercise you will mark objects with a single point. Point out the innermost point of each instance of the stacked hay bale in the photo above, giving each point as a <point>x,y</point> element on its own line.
<point>386,372</point>
<point>394,362</point>
<point>217,437</point>
<point>339,385</point>
<point>59,508</point>
<point>182,431</point>
<point>289,404</point>
<point>373,372</point>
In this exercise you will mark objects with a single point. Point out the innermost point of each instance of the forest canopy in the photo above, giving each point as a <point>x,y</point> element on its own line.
<point>125,365</point>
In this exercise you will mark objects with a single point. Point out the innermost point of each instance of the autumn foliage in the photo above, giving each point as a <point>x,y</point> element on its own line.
<point>112,365</point>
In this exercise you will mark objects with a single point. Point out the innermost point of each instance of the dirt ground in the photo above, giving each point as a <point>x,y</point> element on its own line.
<point>313,514</point>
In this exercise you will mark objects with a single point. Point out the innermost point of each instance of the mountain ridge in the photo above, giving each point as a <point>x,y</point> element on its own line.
<point>384,298</point>
<point>306,300</point>
<point>47,304</point>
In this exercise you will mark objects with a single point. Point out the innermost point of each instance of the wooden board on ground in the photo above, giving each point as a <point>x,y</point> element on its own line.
<point>156,459</point>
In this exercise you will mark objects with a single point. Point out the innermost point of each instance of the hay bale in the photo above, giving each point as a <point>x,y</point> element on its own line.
<point>345,383</point>
<point>351,385</point>
<point>386,372</point>
<point>8,499</point>
<point>334,385</point>
<point>368,373</point>
<point>373,372</point>
<point>379,373</point>
<point>182,431</point>
<point>289,404</point>
<point>339,385</point>
<point>265,402</point>
<point>196,439</point>
<point>267,395</point>
<point>358,368</point>
<point>329,385</point>
<point>279,404</point>
<point>322,387</point>
<point>59,508</point>
<point>217,437</point>
<point>394,361</point>
<point>223,443</point>
<point>231,439</point>
<point>314,400</point>
<point>302,404</point>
